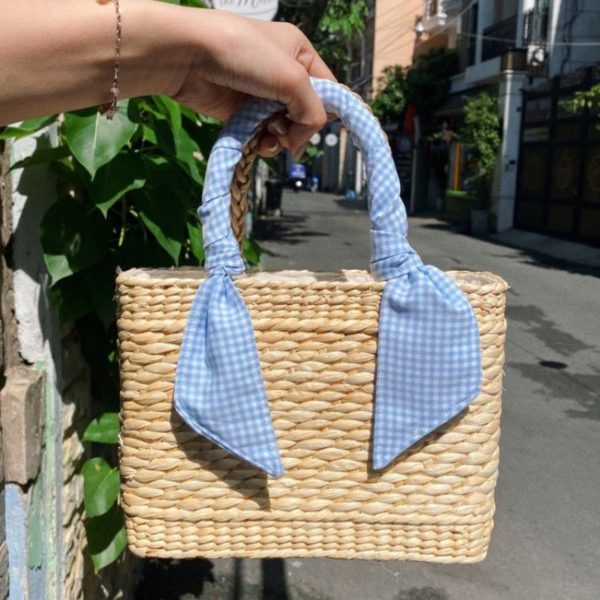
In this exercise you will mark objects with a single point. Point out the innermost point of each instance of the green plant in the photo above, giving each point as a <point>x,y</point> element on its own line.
<point>428,81</point>
<point>390,100</point>
<point>331,25</point>
<point>584,100</point>
<point>128,191</point>
<point>482,132</point>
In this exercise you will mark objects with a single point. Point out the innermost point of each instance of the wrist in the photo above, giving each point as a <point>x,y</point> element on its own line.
<point>155,52</point>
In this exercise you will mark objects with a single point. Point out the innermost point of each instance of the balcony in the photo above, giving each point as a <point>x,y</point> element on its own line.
<point>498,38</point>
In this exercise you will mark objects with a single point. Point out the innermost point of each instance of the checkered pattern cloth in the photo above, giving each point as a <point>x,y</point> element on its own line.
<point>428,358</point>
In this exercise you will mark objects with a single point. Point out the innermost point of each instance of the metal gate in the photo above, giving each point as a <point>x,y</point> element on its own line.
<point>558,183</point>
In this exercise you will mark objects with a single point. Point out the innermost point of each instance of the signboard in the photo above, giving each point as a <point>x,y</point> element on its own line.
<point>256,9</point>
<point>315,140</point>
<point>331,140</point>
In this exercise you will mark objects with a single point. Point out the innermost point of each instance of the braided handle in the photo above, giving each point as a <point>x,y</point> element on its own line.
<point>239,189</point>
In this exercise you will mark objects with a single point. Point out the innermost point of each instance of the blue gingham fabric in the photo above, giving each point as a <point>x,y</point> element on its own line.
<point>428,355</point>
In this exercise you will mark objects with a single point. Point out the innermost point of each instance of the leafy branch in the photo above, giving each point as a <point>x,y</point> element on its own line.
<point>128,191</point>
<point>482,132</point>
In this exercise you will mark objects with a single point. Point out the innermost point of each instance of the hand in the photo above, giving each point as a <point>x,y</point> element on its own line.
<point>230,58</point>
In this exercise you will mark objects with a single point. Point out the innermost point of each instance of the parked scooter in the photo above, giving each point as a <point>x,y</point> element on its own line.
<point>297,176</point>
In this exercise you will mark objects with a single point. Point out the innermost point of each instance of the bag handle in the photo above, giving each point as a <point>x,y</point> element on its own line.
<point>386,210</point>
<point>428,354</point>
<point>239,189</point>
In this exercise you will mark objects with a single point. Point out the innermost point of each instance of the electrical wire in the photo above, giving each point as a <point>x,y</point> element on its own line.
<point>497,39</point>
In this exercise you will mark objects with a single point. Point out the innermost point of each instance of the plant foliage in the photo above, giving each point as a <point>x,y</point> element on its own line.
<point>584,100</point>
<point>390,100</point>
<point>127,195</point>
<point>128,192</point>
<point>425,85</point>
<point>331,25</point>
<point>482,131</point>
<point>428,80</point>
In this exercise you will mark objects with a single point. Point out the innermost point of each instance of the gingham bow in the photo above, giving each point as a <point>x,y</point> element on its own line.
<point>428,357</point>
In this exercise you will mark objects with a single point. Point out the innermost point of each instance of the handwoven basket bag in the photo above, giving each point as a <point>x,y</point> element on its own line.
<point>318,339</point>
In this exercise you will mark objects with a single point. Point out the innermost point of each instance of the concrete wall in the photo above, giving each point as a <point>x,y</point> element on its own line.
<point>47,558</point>
<point>575,22</point>
<point>45,516</point>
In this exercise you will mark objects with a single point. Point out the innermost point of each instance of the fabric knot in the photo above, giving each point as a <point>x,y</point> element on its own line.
<point>396,265</point>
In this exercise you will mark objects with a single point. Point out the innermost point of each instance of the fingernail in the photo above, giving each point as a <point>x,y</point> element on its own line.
<point>277,128</point>
<point>273,147</point>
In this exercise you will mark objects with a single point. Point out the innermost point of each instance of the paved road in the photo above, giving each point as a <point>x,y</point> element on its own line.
<point>546,542</point>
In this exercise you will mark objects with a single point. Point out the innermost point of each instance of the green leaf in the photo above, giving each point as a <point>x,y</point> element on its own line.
<point>72,238</point>
<point>99,282</point>
<point>171,245</point>
<point>95,140</point>
<point>185,151</point>
<point>196,241</point>
<point>100,486</point>
<point>43,156</point>
<point>71,299</point>
<point>162,205</point>
<point>25,128</point>
<point>171,110</point>
<point>104,429</point>
<point>106,538</point>
<point>178,143</point>
<point>125,172</point>
<point>149,135</point>
<point>251,252</point>
<point>203,133</point>
<point>58,266</point>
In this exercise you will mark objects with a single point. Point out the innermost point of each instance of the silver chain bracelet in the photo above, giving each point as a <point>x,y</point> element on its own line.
<point>109,109</point>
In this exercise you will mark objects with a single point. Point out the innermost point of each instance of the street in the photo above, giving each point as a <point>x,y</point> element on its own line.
<point>546,541</point>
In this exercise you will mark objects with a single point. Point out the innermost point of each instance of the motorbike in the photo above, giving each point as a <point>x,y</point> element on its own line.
<point>297,176</point>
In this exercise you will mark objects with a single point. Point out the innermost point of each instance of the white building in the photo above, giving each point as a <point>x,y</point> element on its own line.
<point>534,54</point>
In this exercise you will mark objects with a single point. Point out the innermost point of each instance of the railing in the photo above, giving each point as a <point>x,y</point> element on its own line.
<point>499,38</point>
<point>535,25</point>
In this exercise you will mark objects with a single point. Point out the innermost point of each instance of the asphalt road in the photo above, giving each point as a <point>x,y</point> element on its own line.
<point>546,541</point>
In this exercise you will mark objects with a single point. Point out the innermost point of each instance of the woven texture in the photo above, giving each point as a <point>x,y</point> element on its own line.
<point>428,358</point>
<point>183,496</point>
<point>317,337</point>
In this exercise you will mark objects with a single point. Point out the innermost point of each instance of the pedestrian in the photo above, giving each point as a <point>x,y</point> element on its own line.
<point>61,56</point>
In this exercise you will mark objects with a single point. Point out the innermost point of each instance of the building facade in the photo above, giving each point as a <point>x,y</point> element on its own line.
<point>535,55</point>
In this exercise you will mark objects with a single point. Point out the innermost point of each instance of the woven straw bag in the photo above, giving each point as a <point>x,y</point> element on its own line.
<point>316,335</point>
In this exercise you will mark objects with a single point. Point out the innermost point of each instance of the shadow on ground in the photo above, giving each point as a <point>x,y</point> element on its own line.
<point>528,256</point>
<point>194,580</point>
<point>288,229</point>
<point>172,579</point>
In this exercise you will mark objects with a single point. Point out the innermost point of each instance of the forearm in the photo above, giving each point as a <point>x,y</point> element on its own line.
<point>58,56</point>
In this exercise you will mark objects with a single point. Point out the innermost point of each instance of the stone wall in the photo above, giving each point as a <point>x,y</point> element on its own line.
<point>45,515</point>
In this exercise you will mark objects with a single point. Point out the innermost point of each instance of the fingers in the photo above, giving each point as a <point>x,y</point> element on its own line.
<point>314,64</point>
<point>305,109</point>
<point>268,145</point>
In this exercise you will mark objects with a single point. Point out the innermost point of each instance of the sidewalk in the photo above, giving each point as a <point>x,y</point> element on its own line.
<point>563,250</point>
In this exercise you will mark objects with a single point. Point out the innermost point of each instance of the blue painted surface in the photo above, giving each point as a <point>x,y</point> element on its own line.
<point>25,582</point>
<point>16,540</point>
